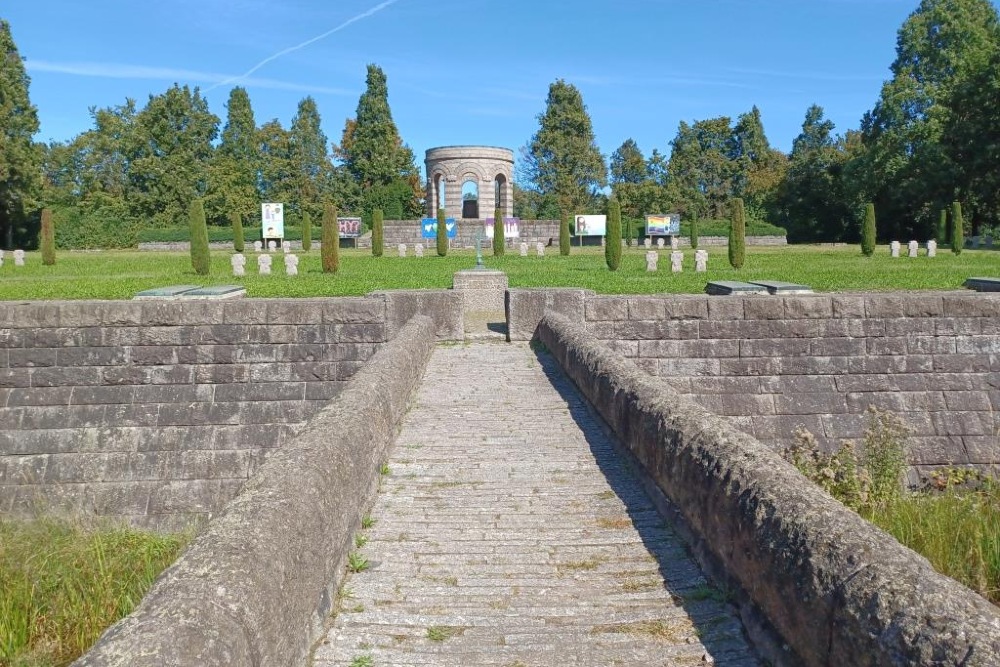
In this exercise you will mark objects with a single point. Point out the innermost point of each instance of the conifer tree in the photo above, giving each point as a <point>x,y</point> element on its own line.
<point>200,258</point>
<point>942,229</point>
<point>48,240</point>
<point>868,231</point>
<point>694,233</point>
<point>498,239</point>
<point>564,235</point>
<point>378,239</point>
<point>737,235</point>
<point>330,251</point>
<point>237,221</point>
<point>307,231</point>
<point>613,238</point>
<point>442,233</point>
<point>957,228</point>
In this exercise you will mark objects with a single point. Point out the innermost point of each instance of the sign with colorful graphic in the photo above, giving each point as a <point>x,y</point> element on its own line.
<point>350,228</point>
<point>663,224</point>
<point>511,228</point>
<point>591,225</point>
<point>272,217</point>
<point>429,227</point>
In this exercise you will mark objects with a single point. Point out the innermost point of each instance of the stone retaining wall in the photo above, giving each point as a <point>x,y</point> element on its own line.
<point>409,232</point>
<point>838,590</point>
<point>772,364</point>
<point>257,585</point>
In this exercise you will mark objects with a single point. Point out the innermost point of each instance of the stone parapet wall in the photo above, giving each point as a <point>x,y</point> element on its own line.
<point>835,589</point>
<point>771,365</point>
<point>409,232</point>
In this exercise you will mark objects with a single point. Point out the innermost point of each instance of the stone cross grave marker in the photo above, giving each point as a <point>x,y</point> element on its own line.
<point>659,242</point>
<point>257,246</point>
<point>264,265</point>
<point>524,249</point>
<point>291,264</point>
<point>239,263</point>
<point>1,257</point>
<point>652,257</point>
<point>401,249</point>
<point>604,240</point>
<point>701,261</point>
<point>932,248</point>
<point>18,257</point>
<point>286,248</point>
<point>894,248</point>
<point>648,242</point>
<point>676,261</point>
<point>540,249</point>
<point>912,247</point>
<point>675,243</point>
<point>418,250</point>
<point>271,245</point>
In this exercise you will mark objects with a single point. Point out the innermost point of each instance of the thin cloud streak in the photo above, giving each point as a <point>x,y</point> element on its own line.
<point>821,76</point>
<point>125,71</point>
<point>284,52</point>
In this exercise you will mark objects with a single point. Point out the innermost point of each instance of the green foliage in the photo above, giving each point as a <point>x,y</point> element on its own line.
<point>232,173</point>
<point>737,236</point>
<point>312,170</point>
<point>868,231</point>
<point>562,158</point>
<point>306,231</point>
<point>957,228</point>
<point>613,238</point>
<point>105,227</point>
<point>330,249</point>
<point>693,233</point>
<point>564,236</point>
<point>442,233</point>
<point>48,240</point>
<point>378,233</point>
<point>499,243</point>
<point>201,259</point>
<point>65,583</point>
<point>942,228</point>
<point>237,221</point>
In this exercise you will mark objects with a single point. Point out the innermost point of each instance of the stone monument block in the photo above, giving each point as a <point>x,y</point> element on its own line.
<point>264,265</point>
<point>18,257</point>
<point>932,248</point>
<point>912,247</point>
<point>652,257</point>
<point>676,261</point>
<point>239,263</point>
<point>894,248</point>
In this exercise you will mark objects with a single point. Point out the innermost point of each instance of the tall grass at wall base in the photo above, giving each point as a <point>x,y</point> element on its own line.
<point>62,583</point>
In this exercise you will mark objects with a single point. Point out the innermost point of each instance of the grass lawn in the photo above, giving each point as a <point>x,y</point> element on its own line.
<point>120,274</point>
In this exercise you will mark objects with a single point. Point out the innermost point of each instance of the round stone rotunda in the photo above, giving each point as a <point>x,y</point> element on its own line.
<point>470,181</point>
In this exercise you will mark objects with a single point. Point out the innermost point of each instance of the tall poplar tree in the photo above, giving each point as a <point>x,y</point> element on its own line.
<point>629,178</point>
<point>562,158</point>
<point>311,165</point>
<point>236,164</point>
<point>20,157</point>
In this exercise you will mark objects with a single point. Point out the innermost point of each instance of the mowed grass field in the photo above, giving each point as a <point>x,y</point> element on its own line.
<point>120,274</point>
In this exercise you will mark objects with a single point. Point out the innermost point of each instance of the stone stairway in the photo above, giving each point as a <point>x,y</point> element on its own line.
<point>508,532</point>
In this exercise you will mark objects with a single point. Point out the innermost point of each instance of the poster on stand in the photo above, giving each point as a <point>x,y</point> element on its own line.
<point>591,225</point>
<point>350,228</point>
<point>429,227</point>
<point>511,228</point>
<point>663,224</point>
<point>272,217</point>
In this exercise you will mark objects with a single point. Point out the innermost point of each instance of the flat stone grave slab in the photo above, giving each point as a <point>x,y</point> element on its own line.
<point>216,292</point>
<point>983,284</point>
<point>779,287</point>
<point>727,287</point>
<point>169,292</point>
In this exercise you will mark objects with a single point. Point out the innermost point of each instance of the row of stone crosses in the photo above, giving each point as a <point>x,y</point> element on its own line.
<point>913,248</point>
<point>18,257</point>
<point>239,263</point>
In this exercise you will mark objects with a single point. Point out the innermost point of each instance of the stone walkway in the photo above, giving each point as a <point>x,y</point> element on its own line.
<point>507,532</point>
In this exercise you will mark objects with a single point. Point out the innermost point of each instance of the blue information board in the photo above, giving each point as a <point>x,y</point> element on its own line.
<point>429,227</point>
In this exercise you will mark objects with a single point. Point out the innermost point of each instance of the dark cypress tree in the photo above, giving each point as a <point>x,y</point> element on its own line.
<point>48,240</point>
<point>957,228</point>
<point>307,231</point>
<point>498,239</point>
<point>942,229</point>
<point>331,240</point>
<point>613,238</point>
<point>442,234</point>
<point>378,238</point>
<point>564,235</point>
<point>738,235</point>
<point>237,221</point>
<point>200,258</point>
<point>694,233</point>
<point>868,232</point>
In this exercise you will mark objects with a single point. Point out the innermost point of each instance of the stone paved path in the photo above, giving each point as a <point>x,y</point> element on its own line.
<point>508,533</point>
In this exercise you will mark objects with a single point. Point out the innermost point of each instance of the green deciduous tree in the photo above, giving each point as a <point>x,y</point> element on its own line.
<point>562,158</point>
<point>277,168</point>
<point>868,231</point>
<point>499,243</point>
<point>630,179</point>
<point>307,228</point>
<point>442,233</point>
<point>613,238</point>
<point>48,240</point>
<point>759,169</point>
<point>378,238</point>
<point>20,156</point>
<point>701,170</point>
<point>330,250</point>
<point>957,228</point>
<point>737,235</point>
<point>201,259</point>
<point>236,220</point>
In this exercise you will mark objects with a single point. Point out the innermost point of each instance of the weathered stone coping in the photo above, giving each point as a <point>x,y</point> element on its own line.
<point>838,590</point>
<point>257,585</point>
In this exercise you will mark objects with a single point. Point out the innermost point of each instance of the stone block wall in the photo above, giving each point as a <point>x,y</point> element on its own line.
<point>772,365</point>
<point>159,412</point>
<point>408,232</point>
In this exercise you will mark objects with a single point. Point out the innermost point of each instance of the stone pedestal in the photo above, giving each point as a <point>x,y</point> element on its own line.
<point>482,293</point>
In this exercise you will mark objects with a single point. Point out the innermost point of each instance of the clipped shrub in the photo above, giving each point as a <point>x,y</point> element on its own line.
<point>331,240</point>
<point>48,238</point>
<point>613,238</point>
<point>564,236</point>
<point>307,231</point>
<point>868,231</point>
<point>378,233</point>
<point>237,221</point>
<point>442,233</point>
<point>694,233</point>
<point>498,239</point>
<point>738,235</point>
<point>942,228</point>
<point>201,260</point>
<point>957,228</point>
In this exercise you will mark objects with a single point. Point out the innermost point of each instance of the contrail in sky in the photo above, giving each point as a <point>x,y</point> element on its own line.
<point>284,52</point>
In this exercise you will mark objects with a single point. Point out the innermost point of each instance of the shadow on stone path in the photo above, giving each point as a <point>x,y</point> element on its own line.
<point>508,532</point>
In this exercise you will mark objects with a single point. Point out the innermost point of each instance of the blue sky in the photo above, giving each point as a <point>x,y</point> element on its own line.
<point>467,71</point>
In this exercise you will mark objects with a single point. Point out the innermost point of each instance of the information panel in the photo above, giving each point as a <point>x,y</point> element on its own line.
<point>350,228</point>
<point>511,228</point>
<point>663,224</point>
<point>429,227</point>
<point>591,225</point>
<point>272,218</point>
